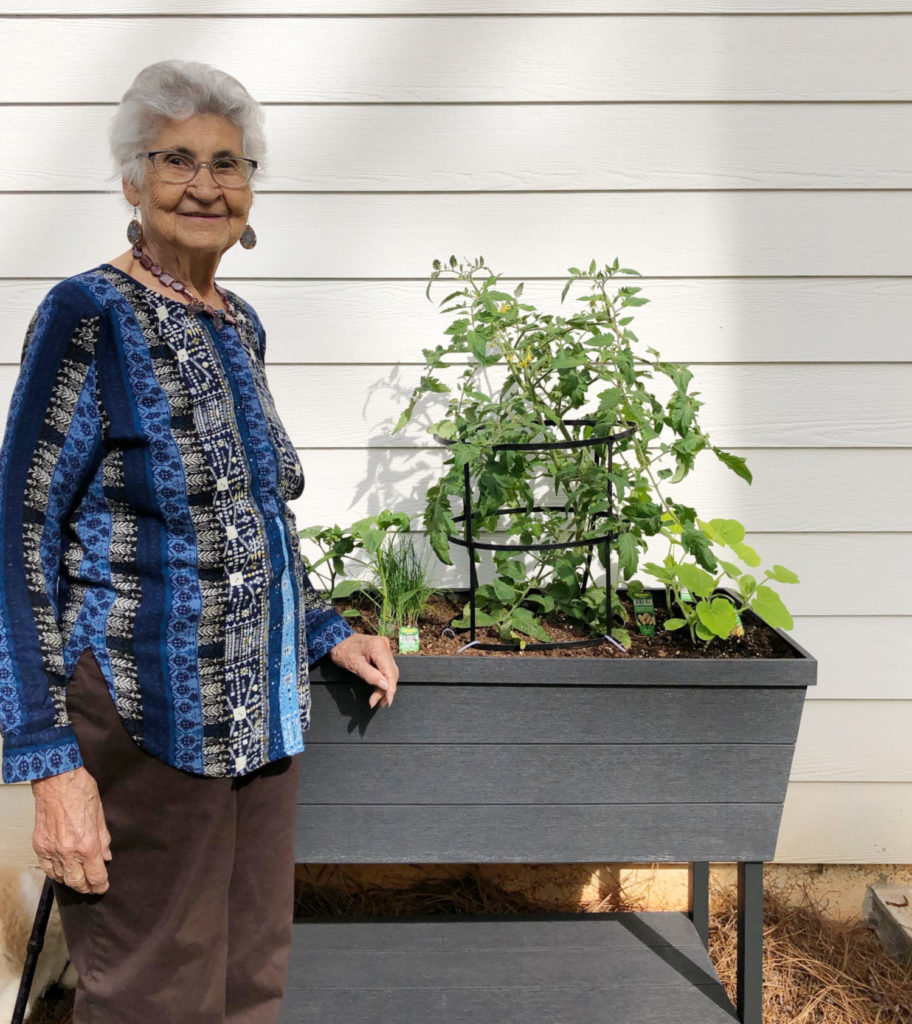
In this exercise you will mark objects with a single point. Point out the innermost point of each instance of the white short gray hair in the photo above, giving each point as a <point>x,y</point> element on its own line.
<point>179,89</point>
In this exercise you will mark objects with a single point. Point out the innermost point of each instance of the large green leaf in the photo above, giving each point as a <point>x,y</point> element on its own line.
<point>731,569</point>
<point>780,574</point>
<point>730,531</point>
<point>718,615</point>
<point>747,554</point>
<point>696,580</point>
<point>345,588</point>
<point>768,605</point>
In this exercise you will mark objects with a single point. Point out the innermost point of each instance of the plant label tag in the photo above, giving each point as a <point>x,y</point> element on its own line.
<point>738,631</point>
<point>409,642</point>
<point>685,595</point>
<point>644,613</point>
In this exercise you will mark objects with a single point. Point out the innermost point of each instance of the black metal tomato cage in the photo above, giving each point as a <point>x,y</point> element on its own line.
<point>472,545</point>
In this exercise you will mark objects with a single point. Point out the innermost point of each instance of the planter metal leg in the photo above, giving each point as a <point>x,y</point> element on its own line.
<point>750,942</point>
<point>698,898</point>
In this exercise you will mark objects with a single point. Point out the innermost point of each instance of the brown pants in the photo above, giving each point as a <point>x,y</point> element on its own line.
<point>196,924</point>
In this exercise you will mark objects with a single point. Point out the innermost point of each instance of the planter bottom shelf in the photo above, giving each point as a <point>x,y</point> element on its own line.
<point>648,968</point>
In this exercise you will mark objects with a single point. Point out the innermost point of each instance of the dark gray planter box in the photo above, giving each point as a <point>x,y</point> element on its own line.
<point>521,759</point>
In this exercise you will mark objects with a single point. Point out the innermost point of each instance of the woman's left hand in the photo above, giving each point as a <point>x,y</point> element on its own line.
<point>370,658</point>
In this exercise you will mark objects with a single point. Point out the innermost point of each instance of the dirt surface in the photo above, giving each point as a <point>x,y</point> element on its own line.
<point>437,638</point>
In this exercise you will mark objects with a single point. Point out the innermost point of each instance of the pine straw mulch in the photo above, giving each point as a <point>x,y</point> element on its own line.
<point>815,970</point>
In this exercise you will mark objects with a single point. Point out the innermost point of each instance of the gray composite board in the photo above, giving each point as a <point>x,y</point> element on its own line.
<point>512,670</point>
<point>458,968</point>
<point>521,773</point>
<point>630,1004</point>
<point>565,930</point>
<point>437,713</point>
<point>546,833</point>
<point>639,969</point>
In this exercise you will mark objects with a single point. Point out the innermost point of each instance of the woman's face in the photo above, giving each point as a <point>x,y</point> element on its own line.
<point>199,216</point>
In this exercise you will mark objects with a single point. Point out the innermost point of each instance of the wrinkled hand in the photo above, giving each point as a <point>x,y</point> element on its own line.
<point>71,838</point>
<point>370,658</point>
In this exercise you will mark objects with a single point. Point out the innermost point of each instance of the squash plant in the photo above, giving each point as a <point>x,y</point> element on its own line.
<point>514,374</point>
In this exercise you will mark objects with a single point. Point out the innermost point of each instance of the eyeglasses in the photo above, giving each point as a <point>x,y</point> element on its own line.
<point>175,168</point>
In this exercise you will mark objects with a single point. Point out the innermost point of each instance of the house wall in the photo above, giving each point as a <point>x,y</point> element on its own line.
<point>751,159</point>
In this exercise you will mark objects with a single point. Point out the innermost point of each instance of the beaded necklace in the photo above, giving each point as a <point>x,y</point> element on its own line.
<point>196,306</point>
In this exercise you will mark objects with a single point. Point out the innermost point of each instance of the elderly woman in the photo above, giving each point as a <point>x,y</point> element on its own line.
<point>156,623</point>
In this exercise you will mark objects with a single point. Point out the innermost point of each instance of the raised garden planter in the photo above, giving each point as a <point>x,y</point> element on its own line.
<point>521,759</point>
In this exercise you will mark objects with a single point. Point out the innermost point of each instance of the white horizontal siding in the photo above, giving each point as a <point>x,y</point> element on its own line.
<point>383,8</point>
<point>698,321</point>
<point>877,752</point>
<point>432,59</point>
<point>340,147</point>
<point>694,234</point>
<point>857,652</point>
<point>846,823</point>
<point>745,406</point>
<point>751,158</point>
<point>795,490</point>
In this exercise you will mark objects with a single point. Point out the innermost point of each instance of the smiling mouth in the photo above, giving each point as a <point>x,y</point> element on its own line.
<point>204,216</point>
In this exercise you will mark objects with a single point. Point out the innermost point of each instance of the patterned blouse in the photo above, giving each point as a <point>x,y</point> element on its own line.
<point>144,481</point>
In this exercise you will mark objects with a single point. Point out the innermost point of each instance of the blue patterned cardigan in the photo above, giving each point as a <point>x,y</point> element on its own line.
<point>144,482</point>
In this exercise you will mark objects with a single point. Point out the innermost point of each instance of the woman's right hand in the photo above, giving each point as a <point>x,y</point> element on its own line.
<point>71,838</point>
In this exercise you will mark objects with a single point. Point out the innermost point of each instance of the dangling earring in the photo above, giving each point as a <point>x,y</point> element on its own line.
<point>248,238</point>
<point>134,230</point>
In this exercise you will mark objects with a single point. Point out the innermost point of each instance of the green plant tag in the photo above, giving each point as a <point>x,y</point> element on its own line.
<point>644,613</point>
<point>409,642</point>
<point>685,596</point>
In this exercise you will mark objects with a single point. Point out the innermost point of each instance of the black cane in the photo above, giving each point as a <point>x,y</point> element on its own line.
<point>35,945</point>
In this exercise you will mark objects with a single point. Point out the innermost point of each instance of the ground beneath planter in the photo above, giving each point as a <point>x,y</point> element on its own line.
<point>437,638</point>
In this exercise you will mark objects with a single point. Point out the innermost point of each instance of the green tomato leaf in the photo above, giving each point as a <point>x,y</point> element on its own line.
<point>405,417</point>
<point>445,429</point>
<point>628,554</point>
<point>622,636</point>
<point>568,359</point>
<point>662,574</point>
<point>681,411</point>
<point>768,605</point>
<point>735,463</point>
<point>696,543</point>
<point>523,621</point>
<point>503,591</point>
<point>481,619</point>
<point>718,616</point>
